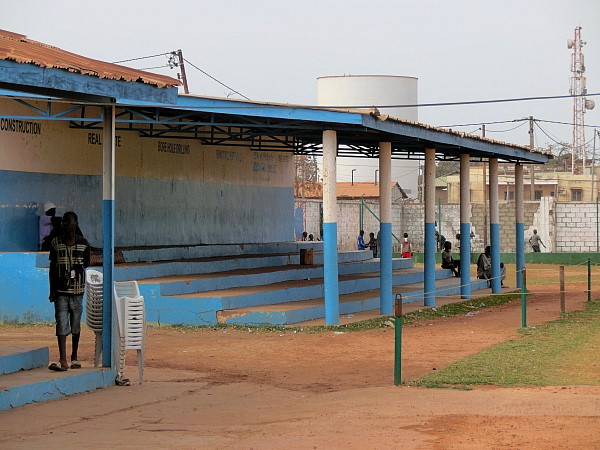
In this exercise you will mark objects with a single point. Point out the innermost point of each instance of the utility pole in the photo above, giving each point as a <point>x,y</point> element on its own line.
<point>484,183</point>
<point>182,71</point>
<point>532,171</point>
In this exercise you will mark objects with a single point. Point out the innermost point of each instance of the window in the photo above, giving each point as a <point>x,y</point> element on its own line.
<point>576,195</point>
<point>510,195</point>
<point>552,194</point>
<point>538,195</point>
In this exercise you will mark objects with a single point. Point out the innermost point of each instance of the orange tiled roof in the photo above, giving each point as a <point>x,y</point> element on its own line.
<point>16,47</point>
<point>365,189</point>
<point>359,189</point>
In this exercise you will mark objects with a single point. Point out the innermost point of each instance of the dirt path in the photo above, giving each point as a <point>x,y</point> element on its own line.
<point>232,389</point>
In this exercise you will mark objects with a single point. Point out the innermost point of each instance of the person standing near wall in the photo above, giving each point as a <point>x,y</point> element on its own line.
<point>48,225</point>
<point>360,240</point>
<point>406,247</point>
<point>69,257</point>
<point>372,244</point>
<point>535,242</point>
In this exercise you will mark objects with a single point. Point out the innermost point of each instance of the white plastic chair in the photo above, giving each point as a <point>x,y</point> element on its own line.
<point>93,308</point>
<point>131,315</point>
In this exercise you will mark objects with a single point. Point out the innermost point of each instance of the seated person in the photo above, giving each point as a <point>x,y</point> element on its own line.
<point>484,266</point>
<point>448,262</point>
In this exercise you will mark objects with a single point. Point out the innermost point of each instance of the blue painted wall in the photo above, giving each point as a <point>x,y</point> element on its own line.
<point>24,289</point>
<point>148,211</point>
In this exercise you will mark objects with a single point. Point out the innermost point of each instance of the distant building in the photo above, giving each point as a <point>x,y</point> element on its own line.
<point>563,186</point>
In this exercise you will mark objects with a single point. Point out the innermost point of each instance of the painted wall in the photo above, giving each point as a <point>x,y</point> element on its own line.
<point>169,191</point>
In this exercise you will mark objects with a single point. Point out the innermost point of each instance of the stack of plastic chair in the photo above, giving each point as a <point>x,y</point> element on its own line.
<point>93,308</point>
<point>131,314</point>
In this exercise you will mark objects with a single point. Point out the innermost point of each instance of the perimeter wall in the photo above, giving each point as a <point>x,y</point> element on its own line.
<point>563,227</point>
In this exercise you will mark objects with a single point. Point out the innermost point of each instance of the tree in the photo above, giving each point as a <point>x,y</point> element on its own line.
<point>307,176</point>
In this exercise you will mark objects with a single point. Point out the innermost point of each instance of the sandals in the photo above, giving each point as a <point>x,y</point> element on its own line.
<point>75,364</point>
<point>57,367</point>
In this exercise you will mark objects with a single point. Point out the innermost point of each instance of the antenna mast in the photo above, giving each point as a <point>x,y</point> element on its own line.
<point>580,104</point>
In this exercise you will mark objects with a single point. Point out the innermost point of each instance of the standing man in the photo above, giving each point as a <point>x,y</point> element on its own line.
<point>360,241</point>
<point>535,242</point>
<point>69,256</point>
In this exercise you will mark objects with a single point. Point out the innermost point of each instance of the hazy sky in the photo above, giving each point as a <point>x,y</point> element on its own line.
<point>274,50</point>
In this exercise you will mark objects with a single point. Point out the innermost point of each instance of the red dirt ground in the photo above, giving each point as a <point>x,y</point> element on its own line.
<point>233,389</point>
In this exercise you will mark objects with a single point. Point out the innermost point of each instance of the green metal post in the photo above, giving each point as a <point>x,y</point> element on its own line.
<point>589,280</point>
<point>361,214</point>
<point>439,215</point>
<point>398,341</point>
<point>524,299</point>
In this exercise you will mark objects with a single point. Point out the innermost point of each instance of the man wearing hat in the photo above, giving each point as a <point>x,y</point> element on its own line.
<point>47,224</point>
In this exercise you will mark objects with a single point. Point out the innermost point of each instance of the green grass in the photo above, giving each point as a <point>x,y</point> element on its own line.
<point>562,352</point>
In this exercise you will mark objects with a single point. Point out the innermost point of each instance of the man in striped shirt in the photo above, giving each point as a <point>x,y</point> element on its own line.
<point>69,256</point>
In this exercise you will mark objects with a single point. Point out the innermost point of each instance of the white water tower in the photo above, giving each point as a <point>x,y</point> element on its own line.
<point>374,90</point>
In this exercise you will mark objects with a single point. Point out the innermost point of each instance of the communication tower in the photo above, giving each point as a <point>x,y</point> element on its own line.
<point>580,104</point>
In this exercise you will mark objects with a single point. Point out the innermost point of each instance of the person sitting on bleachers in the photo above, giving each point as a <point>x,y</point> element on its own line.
<point>484,266</point>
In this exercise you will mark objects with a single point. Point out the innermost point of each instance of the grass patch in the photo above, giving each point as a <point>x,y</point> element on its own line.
<point>562,352</point>
<point>421,315</point>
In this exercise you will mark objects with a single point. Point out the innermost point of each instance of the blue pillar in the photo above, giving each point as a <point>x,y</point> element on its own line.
<point>465,227</point>
<point>108,232</point>
<point>429,255</point>
<point>330,254</point>
<point>330,268</point>
<point>385,261</point>
<point>385,208</point>
<point>495,227</point>
<point>519,225</point>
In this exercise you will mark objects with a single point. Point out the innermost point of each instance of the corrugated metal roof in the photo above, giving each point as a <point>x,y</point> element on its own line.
<point>16,47</point>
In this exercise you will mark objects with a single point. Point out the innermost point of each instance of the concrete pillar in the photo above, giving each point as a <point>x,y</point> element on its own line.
<point>465,227</point>
<point>330,253</point>
<point>519,224</point>
<point>108,232</point>
<point>385,208</point>
<point>495,227</point>
<point>429,199</point>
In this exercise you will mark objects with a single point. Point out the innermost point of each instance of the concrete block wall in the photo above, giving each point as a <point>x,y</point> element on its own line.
<point>576,227</point>
<point>563,227</point>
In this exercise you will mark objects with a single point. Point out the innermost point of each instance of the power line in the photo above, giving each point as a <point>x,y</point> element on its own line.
<point>504,131</point>
<point>482,123</point>
<point>473,102</point>
<point>213,78</point>
<point>141,57</point>
<point>565,123</point>
<point>155,67</point>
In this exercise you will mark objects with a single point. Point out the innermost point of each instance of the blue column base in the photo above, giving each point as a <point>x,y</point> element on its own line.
<point>108,251</point>
<point>385,267</point>
<point>330,271</point>
<point>520,252</point>
<point>429,265</point>
<point>465,260</point>
<point>495,247</point>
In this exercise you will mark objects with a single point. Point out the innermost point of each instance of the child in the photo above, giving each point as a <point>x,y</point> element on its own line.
<point>406,247</point>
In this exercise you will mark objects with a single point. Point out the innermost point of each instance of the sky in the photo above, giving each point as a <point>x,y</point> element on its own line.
<point>274,50</point>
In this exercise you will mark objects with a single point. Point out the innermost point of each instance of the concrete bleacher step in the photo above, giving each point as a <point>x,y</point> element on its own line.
<point>216,264</point>
<point>14,358</point>
<point>26,379</point>
<point>297,290</point>
<point>258,276</point>
<point>306,310</point>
